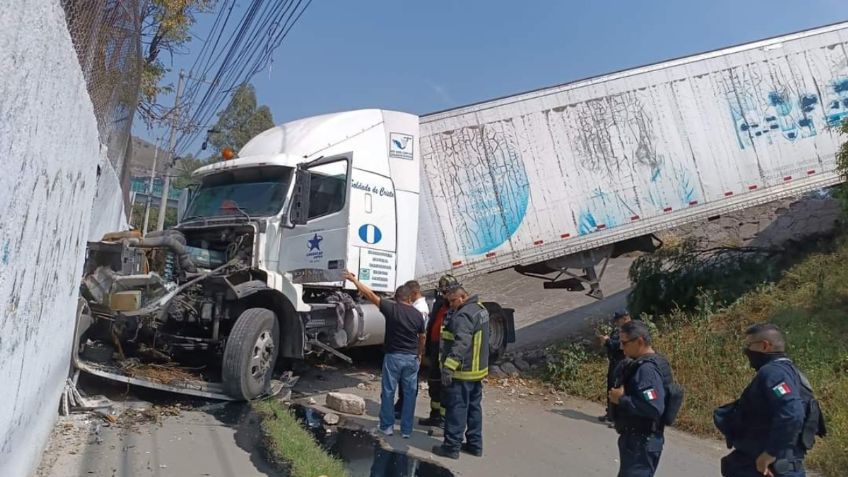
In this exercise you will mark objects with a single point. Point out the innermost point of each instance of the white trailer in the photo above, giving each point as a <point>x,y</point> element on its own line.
<point>550,181</point>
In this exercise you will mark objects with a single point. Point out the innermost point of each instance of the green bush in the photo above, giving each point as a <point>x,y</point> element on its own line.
<point>572,368</point>
<point>688,278</point>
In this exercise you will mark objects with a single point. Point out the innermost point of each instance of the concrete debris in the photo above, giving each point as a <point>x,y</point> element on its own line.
<point>331,419</point>
<point>495,371</point>
<point>346,403</point>
<point>510,370</point>
<point>522,365</point>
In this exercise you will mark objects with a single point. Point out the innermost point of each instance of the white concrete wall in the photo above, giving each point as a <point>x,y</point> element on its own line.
<point>49,152</point>
<point>108,209</point>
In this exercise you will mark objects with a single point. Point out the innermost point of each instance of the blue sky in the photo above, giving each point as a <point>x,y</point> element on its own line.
<point>421,57</point>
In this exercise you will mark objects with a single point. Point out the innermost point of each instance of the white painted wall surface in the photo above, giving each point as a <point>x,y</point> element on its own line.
<point>49,151</point>
<point>107,212</point>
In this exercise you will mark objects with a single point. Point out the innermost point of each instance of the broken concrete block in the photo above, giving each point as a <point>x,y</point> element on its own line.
<point>331,419</point>
<point>495,371</point>
<point>510,369</point>
<point>346,403</point>
<point>522,365</point>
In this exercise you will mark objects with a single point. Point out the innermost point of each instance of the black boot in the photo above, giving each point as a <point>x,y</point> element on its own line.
<point>471,450</point>
<point>433,421</point>
<point>442,452</point>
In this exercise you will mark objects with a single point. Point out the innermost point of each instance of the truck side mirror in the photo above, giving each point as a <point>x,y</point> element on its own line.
<point>186,197</point>
<point>299,209</point>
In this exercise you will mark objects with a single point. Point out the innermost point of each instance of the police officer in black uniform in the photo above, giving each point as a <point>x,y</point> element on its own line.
<point>765,425</point>
<point>639,402</point>
<point>612,346</point>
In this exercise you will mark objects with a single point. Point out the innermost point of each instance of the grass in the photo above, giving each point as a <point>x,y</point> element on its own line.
<point>292,446</point>
<point>809,302</point>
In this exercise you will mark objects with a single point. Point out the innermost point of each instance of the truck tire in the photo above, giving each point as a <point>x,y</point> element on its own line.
<point>497,336</point>
<point>250,354</point>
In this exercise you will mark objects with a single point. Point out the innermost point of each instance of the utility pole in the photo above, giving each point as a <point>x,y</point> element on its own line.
<point>163,206</point>
<point>150,187</point>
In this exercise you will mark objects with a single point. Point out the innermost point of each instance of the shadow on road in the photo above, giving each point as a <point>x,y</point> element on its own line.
<point>579,416</point>
<point>570,323</point>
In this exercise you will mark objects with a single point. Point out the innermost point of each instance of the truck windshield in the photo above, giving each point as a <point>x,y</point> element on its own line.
<point>256,191</point>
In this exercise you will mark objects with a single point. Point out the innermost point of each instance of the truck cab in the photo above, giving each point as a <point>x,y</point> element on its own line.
<point>327,193</point>
<point>252,272</point>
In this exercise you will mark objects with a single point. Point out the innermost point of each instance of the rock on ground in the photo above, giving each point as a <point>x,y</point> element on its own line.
<point>510,369</point>
<point>331,419</point>
<point>496,372</point>
<point>346,403</point>
<point>522,365</point>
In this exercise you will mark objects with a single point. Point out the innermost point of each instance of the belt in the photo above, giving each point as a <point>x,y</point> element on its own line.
<point>639,432</point>
<point>791,465</point>
<point>652,429</point>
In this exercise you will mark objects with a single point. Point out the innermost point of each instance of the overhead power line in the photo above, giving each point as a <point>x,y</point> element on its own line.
<point>230,57</point>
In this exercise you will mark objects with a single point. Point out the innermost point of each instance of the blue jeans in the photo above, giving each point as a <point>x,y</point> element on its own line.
<point>398,369</point>
<point>639,454</point>
<point>463,414</point>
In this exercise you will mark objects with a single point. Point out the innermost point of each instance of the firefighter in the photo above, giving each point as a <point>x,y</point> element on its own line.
<point>465,362</point>
<point>447,284</point>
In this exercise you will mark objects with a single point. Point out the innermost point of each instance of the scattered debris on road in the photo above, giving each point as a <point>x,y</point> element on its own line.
<point>346,403</point>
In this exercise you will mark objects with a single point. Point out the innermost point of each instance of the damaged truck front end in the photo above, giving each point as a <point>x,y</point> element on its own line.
<point>173,309</point>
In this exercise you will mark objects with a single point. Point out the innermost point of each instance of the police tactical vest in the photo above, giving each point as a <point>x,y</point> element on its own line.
<point>673,397</point>
<point>729,419</point>
<point>814,422</point>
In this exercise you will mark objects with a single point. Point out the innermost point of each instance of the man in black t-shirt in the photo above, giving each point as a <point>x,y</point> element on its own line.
<point>404,348</point>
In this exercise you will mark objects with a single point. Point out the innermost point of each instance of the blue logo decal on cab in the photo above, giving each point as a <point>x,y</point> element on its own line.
<point>370,233</point>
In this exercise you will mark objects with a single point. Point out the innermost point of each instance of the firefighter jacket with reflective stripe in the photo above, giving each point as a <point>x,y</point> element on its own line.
<point>465,342</point>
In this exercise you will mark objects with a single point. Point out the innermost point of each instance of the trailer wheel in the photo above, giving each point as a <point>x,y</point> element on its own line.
<point>250,354</point>
<point>497,336</point>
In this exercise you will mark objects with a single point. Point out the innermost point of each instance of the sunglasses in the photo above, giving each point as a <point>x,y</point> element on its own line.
<point>624,342</point>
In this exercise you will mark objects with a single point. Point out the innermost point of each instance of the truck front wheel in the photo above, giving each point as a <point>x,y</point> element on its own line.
<point>250,353</point>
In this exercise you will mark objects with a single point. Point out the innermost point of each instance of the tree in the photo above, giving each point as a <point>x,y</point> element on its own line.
<point>240,121</point>
<point>137,218</point>
<point>165,28</point>
<point>184,167</point>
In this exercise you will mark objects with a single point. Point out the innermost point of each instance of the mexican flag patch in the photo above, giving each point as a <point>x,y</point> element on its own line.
<point>649,394</point>
<point>781,389</point>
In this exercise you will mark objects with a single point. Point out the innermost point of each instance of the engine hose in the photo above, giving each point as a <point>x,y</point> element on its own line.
<point>172,240</point>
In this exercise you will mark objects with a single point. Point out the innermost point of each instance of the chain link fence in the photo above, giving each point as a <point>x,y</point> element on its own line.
<point>107,37</point>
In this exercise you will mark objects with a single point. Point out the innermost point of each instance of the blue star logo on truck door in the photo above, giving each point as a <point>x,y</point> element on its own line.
<point>315,242</point>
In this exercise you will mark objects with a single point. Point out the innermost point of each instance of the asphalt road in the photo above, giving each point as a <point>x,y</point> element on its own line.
<point>544,316</point>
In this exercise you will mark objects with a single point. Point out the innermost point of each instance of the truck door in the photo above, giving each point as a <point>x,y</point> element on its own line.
<point>373,234</point>
<point>315,252</point>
